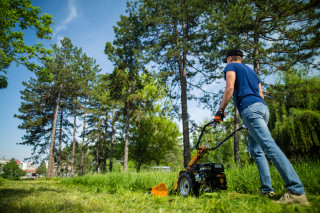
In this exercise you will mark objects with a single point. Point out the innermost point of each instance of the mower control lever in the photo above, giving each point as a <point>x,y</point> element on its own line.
<point>213,123</point>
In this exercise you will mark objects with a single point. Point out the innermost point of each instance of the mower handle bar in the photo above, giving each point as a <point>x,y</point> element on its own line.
<point>213,123</point>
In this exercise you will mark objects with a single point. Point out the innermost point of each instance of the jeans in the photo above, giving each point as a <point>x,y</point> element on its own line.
<point>255,117</point>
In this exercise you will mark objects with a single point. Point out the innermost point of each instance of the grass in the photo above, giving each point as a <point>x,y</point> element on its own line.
<point>127,192</point>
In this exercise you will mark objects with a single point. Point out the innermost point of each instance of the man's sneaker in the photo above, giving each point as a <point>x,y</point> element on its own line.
<point>289,198</point>
<point>268,194</point>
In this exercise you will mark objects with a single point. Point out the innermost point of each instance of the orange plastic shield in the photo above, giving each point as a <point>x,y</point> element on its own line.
<point>160,190</point>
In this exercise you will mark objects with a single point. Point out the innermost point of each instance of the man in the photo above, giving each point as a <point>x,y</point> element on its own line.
<point>243,83</point>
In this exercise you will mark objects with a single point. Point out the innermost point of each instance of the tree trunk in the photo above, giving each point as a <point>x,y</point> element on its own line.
<point>139,166</point>
<point>236,137</point>
<point>182,63</point>
<point>105,156</point>
<point>60,145</point>
<point>126,141</point>
<point>112,139</point>
<point>83,136</point>
<point>256,60</point>
<point>74,140</point>
<point>50,171</point>
<point>98,146</point>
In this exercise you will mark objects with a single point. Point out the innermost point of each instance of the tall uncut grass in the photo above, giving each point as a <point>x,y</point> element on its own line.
<point>244,179</point>
<point>118,181</point>
<point>1,181</point>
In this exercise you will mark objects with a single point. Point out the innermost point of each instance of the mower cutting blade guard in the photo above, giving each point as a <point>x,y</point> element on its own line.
<point>160,190</point>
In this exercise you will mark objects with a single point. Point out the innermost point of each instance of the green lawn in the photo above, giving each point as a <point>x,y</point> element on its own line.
<point>53,196</point>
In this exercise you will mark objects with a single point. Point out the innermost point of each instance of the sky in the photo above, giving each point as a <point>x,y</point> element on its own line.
<point>89,25</point>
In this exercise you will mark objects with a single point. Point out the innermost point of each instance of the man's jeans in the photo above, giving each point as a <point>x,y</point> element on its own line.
<point>255,117</point>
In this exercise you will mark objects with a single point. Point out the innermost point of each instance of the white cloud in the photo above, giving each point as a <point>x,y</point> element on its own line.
<point>59,38</point>
<point>72,10</point>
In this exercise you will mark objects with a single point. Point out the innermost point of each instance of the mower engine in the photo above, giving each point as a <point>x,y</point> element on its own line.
<point>210,176</point>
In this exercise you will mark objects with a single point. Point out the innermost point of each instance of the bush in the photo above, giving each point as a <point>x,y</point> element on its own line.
<point>11,170</point>
<point>1,181</point>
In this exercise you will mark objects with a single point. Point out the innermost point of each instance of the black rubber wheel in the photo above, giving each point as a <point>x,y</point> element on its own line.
<point>187,185</point>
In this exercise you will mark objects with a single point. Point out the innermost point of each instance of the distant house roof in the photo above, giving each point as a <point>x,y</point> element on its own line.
<point>18,162</point>
<point>4,161</point>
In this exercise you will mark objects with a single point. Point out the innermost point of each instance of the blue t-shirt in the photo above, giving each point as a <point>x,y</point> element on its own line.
<point>246,87</point>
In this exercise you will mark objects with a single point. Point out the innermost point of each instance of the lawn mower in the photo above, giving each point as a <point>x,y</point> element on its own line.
<point>205,177</point>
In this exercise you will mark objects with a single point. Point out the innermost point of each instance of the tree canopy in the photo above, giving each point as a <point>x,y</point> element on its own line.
<point>16,17</point>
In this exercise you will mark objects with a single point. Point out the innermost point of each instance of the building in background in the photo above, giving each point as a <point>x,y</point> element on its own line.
<point>24,166</point>
<point>27,167</point>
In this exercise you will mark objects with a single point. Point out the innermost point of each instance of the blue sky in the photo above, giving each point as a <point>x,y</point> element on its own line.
<point>89,25</point>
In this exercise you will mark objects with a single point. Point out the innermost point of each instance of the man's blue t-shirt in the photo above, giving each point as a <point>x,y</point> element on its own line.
<point>246,87</point>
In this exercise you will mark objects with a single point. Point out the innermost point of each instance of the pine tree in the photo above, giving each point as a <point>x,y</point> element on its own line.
<point>61,68</point>
<point>127,57</point>
<point>174,39</point>
<point>88,76</point>
<point>36,112</point>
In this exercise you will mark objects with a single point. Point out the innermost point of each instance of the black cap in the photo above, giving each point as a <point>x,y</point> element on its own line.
<point>233,52</point>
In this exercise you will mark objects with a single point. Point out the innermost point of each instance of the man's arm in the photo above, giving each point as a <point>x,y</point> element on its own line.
<point>260,91</point>
<point>228,92</point>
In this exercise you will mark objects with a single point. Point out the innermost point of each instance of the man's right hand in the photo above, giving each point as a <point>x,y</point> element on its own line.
<point>220,115</point>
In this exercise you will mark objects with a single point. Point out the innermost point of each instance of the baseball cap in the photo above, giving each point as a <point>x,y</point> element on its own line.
<point>233,52</point>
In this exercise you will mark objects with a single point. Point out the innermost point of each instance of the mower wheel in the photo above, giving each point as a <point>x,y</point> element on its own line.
<point>187,185</point>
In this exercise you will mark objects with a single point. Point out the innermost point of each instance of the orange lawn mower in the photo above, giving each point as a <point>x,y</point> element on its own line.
<point>197,178</point>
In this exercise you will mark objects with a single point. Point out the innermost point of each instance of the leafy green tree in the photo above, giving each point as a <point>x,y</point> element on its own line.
<point>15,17</point>
<point>152,139</point>
<point>295,113</point>
<point>42,169</point>
<point>151,128</point>
<point>11,170</point>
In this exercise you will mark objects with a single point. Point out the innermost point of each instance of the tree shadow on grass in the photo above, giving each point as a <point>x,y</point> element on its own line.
<point>8,205</point>
<point>6,193</point>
